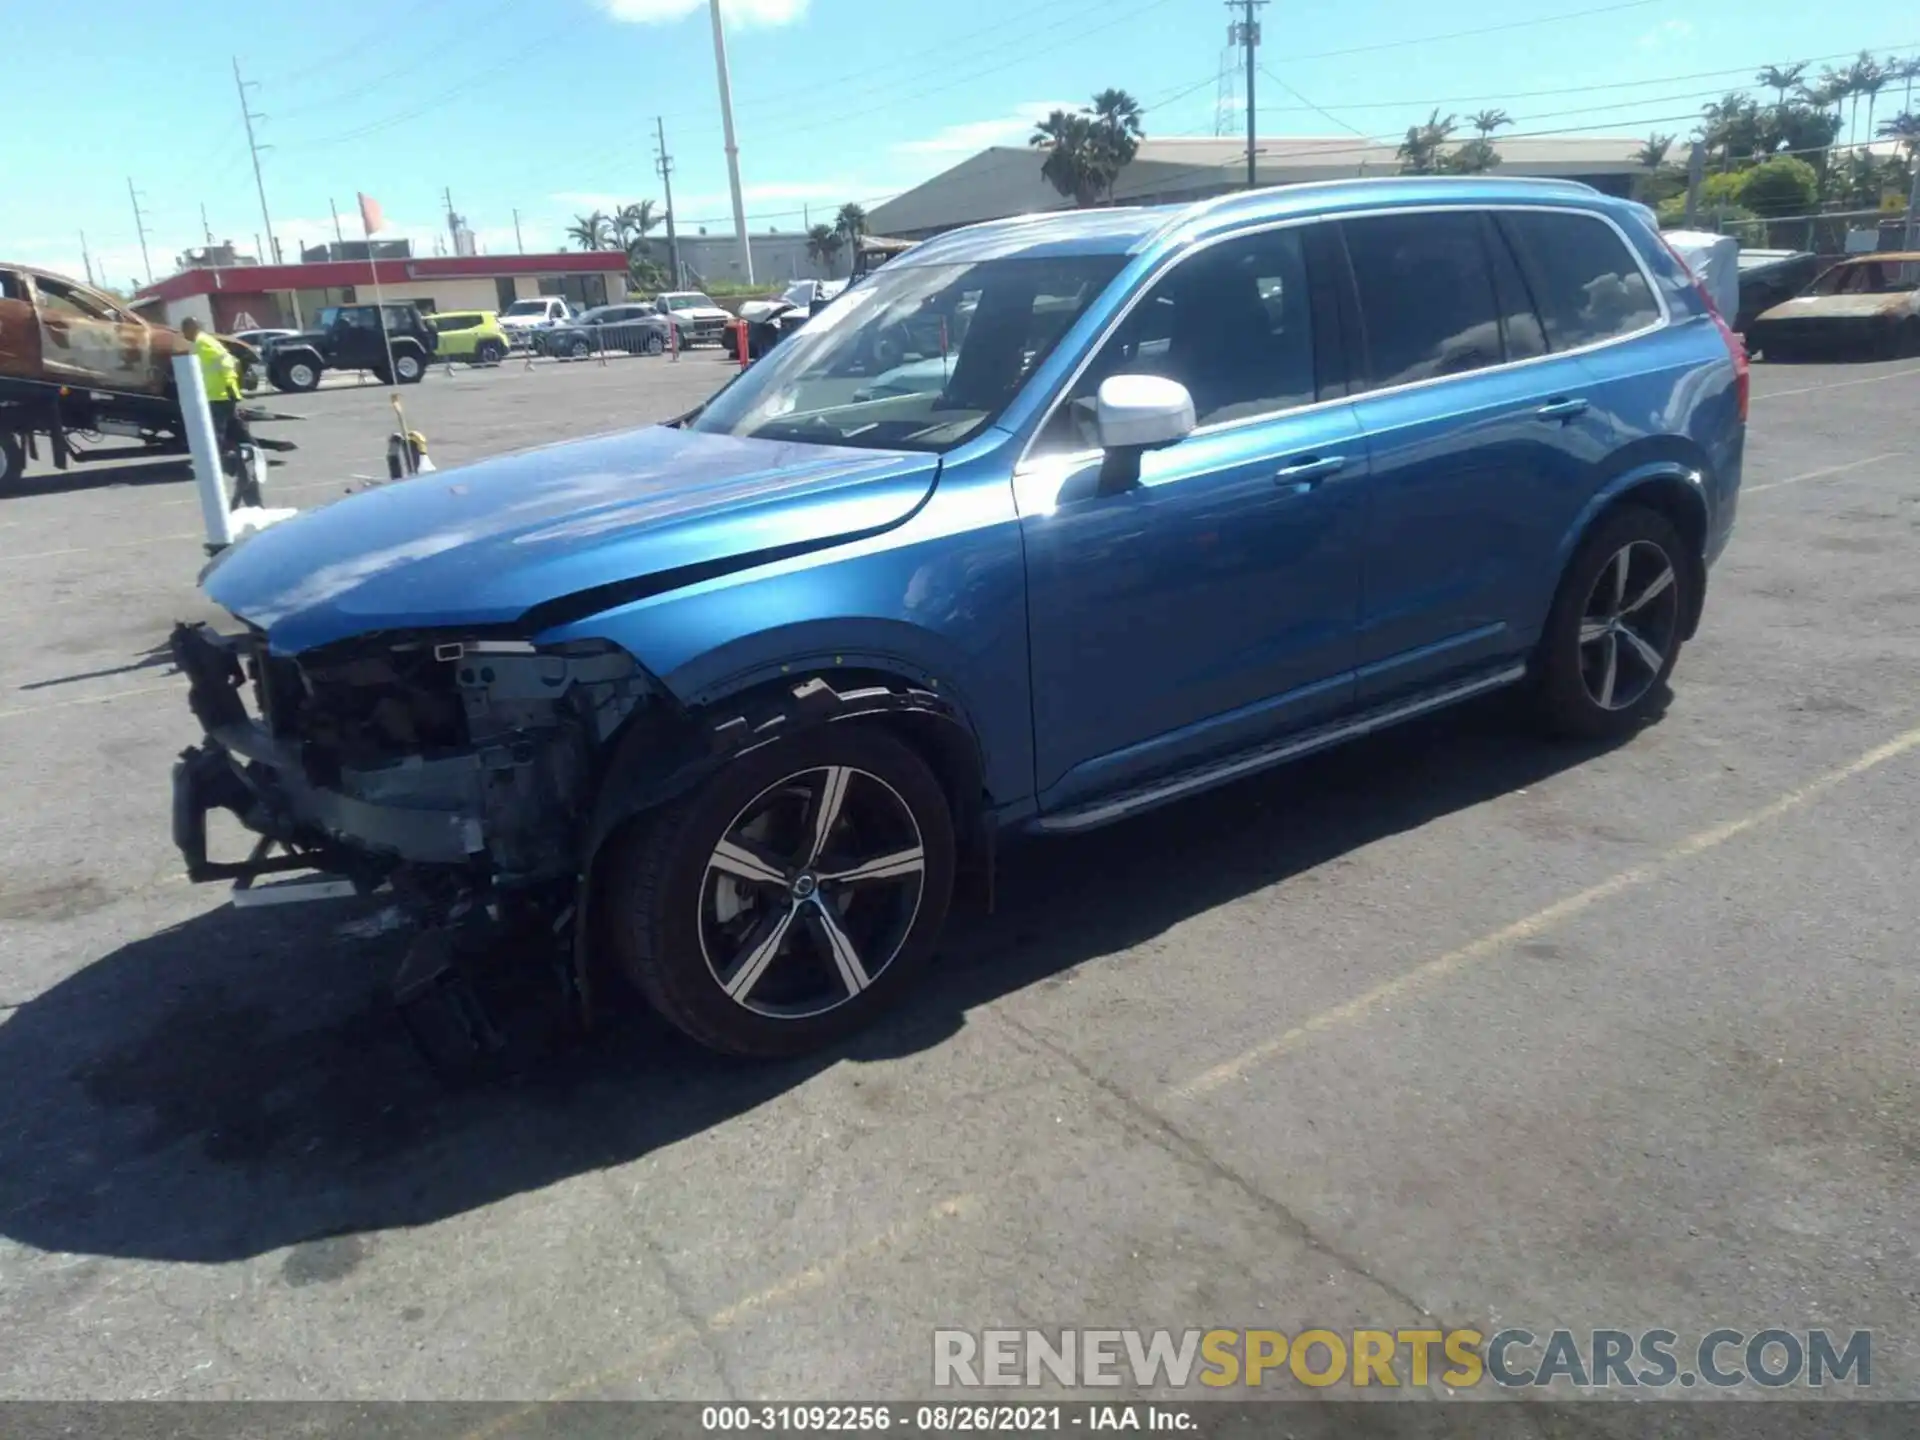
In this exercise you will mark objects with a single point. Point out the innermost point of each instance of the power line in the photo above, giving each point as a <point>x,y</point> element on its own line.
<point>247,117</point>
<point>1480,30</point>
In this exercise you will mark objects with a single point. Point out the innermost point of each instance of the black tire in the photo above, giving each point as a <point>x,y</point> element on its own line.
<point>578,348</point>
<point>666,905</point>
<point>13,457</point>
<point>653,345</point>
<point>489,352</point>
<point>296,376</point>
<point>409,367</point>
<point>1604,616</point>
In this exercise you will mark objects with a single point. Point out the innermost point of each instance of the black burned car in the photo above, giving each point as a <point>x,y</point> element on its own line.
<point>1866,307</point>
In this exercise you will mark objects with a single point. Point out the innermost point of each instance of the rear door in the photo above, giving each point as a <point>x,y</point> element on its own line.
<point>1479,437</point>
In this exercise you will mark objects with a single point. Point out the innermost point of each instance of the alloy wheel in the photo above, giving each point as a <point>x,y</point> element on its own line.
<point>1629,625</point>
<point>811,892</point>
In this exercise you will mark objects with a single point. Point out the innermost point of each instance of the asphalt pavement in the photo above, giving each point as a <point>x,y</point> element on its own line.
<point>1451,1028</point>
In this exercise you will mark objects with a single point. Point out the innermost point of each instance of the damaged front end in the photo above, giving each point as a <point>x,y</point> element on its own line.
<point>459,772</point>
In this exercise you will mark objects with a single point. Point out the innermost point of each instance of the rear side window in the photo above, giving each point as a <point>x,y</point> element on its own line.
<point>1586,284</point>
<point>444,323</point>
<point>1426,296</point>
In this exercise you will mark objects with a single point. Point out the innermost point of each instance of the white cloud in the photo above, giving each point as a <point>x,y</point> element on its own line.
<point>744,13</point>
<point>1010,129</point>
<point>1666,33</point>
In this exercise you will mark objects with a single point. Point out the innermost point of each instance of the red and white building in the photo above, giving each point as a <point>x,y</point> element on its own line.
<point>256,297</point>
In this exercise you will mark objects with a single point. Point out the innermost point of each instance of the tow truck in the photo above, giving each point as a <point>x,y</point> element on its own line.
<point>76,368</point>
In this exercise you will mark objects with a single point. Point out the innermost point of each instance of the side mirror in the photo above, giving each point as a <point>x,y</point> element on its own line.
<point>1134,414</point>
<point>1142,412</point>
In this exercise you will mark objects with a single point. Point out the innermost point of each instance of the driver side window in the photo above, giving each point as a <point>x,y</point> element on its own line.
<point>1233,323</point>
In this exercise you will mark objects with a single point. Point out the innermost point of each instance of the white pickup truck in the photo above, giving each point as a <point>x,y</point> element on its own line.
<point>525,316</point>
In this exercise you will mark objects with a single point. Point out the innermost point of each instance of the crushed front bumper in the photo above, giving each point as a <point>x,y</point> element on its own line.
<point>260,779</point>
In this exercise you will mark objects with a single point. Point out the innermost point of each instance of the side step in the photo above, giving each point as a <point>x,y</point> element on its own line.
<point>1247,762</point>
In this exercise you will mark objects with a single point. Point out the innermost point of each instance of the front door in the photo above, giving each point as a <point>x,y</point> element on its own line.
<point>83,340</point>
<point>1212,603</point>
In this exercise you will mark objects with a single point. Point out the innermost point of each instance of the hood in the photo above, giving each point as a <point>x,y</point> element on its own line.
<point>702,312</point>
<point>482,545</point>
<point>1835,307</point>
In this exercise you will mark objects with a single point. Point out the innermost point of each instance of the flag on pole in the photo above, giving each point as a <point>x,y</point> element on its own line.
<point>370,217</point>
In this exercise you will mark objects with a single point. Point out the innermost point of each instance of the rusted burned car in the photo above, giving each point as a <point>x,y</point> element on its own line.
<point>1868,306</point>
<point>72,360</point>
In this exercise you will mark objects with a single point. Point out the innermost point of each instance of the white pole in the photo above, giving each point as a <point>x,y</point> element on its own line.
<point>204,446</point>
<point>733,150</point>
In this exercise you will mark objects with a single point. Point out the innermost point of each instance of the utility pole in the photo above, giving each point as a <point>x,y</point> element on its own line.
<point>663,162</point>
<point>733,150</point>
<point>1912,238</point>
<point>1245,32</point>
<point>247,117</point>
<point>338,238</point>
<point>86,257</point>
<point>140,226</point>
<point>1696,176</point>
<point>205,228</point>
<point>453,220</point>
<point>518,244</point>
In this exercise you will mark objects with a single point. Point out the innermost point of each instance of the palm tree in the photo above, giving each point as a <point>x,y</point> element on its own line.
<point>851,222</point>
<point>1653,154</point>
<point>1864,71</point>
<point>591,232</point>
<point>632,222</point>
<point>1117,132</point>
<point>1781,78</point>
<point>1872,83</point>
<point>1831,89</point>
<point>1904,128</point>
<point>823,245</point>
<point>1420,152</point>
<point>1073,163</point>
<point>1488,121</point>
<point>1906,70</point>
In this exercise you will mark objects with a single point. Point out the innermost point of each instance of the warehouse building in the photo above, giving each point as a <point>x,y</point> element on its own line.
<point>227,299</point>
<point>1005,180</point>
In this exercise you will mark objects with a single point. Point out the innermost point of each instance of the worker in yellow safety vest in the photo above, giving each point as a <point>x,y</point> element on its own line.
<point>221,372</point>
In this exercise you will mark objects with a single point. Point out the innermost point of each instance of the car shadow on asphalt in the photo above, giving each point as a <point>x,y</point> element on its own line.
<point>239,1083</point>
<point>103,475</point>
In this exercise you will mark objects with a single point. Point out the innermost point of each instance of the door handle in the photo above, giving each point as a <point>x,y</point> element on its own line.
<point>1303,475</point>
<point>1561,410</point>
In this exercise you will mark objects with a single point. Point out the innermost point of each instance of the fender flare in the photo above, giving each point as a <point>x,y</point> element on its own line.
<point>1667,484</point>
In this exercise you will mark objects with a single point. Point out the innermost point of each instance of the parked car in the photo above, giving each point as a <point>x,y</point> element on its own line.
<point>347,337</point>
<point>698,319</point>
<point>768,322</point>
<point>730,701</point>
<point>1866,306</point>
<point>525,318</point>
<point>1768,277</point>
<point>471,335</point>
<point>636,328</point>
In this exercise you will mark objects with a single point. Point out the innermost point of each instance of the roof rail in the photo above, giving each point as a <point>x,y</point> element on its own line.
<point>1213,204</point>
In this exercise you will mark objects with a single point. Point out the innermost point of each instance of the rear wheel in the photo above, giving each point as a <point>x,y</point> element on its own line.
<point>654,345</point>
<point>13,457</point>
<point>295,375</point>
<point>1615,630</point>
<point>408,367</point>
<point>489,352</point>
<point>789,900</point>
<point>578,348</point>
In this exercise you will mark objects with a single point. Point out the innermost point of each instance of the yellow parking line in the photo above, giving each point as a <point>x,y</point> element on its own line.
<point>800,1283</point>
<point>85,700</point>
<point>1535,924</point>
<point>1831,470</point>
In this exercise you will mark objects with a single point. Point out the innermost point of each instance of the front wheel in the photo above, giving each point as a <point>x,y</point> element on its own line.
<point>578,349</point>
<point>1615,630</point>
<point>789,900</point>
<point>13,457</point>
<point>297,376</point>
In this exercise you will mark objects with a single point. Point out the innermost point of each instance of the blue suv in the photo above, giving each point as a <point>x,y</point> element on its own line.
<point>1046,523</point>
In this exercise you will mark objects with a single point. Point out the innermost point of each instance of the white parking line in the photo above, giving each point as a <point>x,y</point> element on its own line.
<point>1830,470</point>
<point>1837,385</point>
<point>84,700</point>
<point>1499,941</point>
<point>115,545</point>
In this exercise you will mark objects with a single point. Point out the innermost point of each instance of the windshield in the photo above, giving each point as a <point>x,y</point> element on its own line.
<point>327,316</point>
<point>527,307</point>
<point>921,357</point>
<point>1869,277</point>
<point>689,302</point>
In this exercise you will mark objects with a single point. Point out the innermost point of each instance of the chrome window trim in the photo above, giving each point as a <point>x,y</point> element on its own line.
<point>1027,462</point>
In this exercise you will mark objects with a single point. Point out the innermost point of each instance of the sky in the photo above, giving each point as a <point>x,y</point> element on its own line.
<point>548,107</point>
